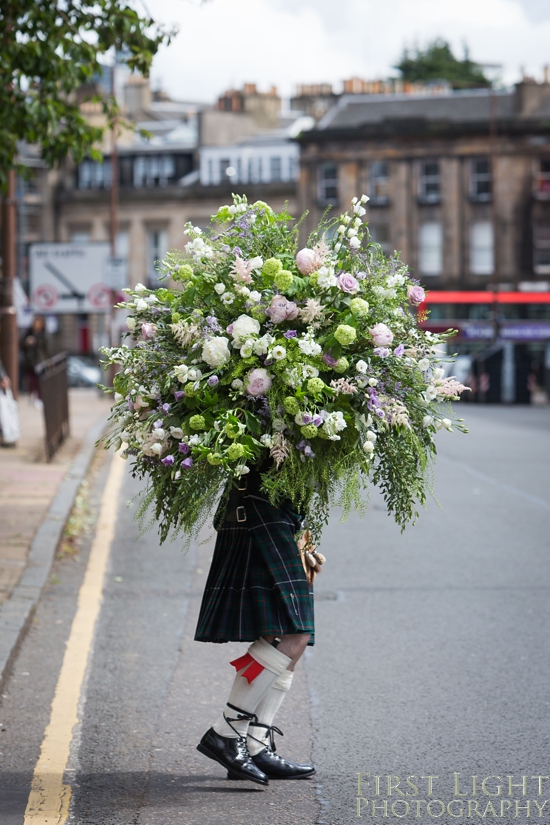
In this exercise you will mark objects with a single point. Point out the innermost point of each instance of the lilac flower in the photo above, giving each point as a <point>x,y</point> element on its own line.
<point>290,333</point>
<point>399,350</point>
<point>382,352</point>
<point>183,448</point>
<point>157,423</point>
<point>187,463</point>
<point>179,394</point>
<point>213,380</point>
<point>168,460</point>
<point>166,408</point>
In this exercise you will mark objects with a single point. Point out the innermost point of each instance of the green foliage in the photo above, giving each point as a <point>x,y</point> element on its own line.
<point>50,58</point>
<point>437,62</point>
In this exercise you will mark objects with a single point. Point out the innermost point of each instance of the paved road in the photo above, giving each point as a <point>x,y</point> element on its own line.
<point>432,658</point>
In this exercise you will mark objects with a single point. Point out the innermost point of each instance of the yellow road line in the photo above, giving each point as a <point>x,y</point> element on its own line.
<point>49,799</point>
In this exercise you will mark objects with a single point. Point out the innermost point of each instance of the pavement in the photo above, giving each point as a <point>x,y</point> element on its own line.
<point>30,487</point>
<point>431,660</point>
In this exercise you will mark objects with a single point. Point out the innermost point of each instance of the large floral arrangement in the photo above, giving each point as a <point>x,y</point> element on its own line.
<point>308,364</point>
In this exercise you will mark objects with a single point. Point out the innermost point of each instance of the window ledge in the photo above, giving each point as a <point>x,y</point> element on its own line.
<point>424,201</point>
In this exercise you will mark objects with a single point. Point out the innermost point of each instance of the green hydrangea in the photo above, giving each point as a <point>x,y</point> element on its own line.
<point>341,365</point>
<point>232,430</point>
<point>284,279</point>
<point>272,267</point>
<point>309,431</point>
<point>315,386</point>
<point>291,405</point>
<point>258,313</point>
<point>214,459</point>
<point>197,422</point>
<point>184,273</point>
<point>322,434</point>
<point>359,306</point>
<point>190,390</point>
<point>176,317</point>
<point>345,334</point>
<point>313,278</point>
<point>235,451</point>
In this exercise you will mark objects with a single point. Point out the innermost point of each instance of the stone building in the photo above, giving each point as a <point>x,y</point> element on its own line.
<point>459,182</point>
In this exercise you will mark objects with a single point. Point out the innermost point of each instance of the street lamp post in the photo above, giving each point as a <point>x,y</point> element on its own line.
<point>9,350</point>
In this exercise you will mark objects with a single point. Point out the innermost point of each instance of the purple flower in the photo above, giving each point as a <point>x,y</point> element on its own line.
<point>307,418</point>
<point>416,295</point>
<point>382,352</point>
<point>166,408</point>
<point>290,333</point>
<point>328,359</point>
<point>380,413</point>
<point>361,275</point>
<point>317,420</point>
<point>301,444</point>
<point>399,350</point>
<point>157,423</point>
<point>213,380</point>
<point>187,463</point>
<point>309,452</point>
<point>168,460</point>
<point>348,283</point>
<point>229,329</point>
<point>183,447</point>
<point>179,394</point>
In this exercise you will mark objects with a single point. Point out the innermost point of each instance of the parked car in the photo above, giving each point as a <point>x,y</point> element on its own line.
<point>81,373</point>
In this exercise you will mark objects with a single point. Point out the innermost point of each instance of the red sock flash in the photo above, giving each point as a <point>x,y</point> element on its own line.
<point>253,668</point>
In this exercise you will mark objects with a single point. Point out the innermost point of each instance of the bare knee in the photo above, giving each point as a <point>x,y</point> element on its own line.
<point>292,645</point>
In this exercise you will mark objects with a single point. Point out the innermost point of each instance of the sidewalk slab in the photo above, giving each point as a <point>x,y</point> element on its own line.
<point>36,499</point>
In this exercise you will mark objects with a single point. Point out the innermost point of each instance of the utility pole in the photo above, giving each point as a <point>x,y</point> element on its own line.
<point>9,344</point>
<point>493,153</point>
<point>113,221</point>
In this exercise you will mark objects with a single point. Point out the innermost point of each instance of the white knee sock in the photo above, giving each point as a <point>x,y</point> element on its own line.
<point>247,691</point>
<point>266,711</point>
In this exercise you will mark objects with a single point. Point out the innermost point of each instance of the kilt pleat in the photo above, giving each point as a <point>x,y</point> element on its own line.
<point>256,584</point>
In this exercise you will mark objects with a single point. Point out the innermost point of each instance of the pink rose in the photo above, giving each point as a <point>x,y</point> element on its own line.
<point>416,295</point>
<point>381,335</point>
<point>348,283</point>
<point>307,261</point>
<point>148,331</point>
<point>282,310</point>
<point>258,382</point>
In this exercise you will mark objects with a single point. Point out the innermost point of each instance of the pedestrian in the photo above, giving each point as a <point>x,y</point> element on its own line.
<point>257,591</point>
<point>34,347</point>
<point>9,413</point>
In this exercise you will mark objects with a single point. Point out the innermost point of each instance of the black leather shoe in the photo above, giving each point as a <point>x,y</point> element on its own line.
<point>275,767</point>
<point>232,753</point>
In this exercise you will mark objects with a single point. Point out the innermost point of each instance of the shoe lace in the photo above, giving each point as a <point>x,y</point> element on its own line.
<point>271,731</point>
<point>241,740</point>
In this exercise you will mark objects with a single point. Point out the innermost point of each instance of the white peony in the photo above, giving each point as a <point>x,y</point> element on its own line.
<point>244,327</point>
<point>215,351</point>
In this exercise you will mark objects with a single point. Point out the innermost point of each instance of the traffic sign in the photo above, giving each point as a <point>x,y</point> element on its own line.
<point>116,273</point>
<point>69,278</point>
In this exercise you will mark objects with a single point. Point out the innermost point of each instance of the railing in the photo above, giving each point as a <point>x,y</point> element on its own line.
<point>54,391</point>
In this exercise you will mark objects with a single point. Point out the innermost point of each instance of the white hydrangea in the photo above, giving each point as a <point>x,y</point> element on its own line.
<point>244,327</point>
<point>215,351</point>
<point>262,345</point>
<point>292,377</point>
<point>334,423</point>
<point>326,278</point>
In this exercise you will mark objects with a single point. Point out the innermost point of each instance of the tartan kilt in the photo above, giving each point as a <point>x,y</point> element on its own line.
<point>256,585</point>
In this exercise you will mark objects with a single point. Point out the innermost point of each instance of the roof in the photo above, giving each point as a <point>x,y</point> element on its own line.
<point>473,106</point>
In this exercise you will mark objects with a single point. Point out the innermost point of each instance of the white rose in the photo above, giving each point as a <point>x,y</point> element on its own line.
<point>176,432</point>
<point>371,436</point>
<point>141,305</point>
<point>373,382</point>
<point>424,364</point>
<point>361,367</point>
<point>244,327</point>
<point>368,447</point>
<point>215,351</point>
<point>255,296</point>
<point>220,288</point>
<point>131,323</point>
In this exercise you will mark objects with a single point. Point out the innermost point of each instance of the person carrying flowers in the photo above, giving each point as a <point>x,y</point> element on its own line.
<point>277,383</point>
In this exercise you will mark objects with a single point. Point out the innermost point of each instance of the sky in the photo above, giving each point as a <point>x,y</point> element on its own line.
<point>225,43</point>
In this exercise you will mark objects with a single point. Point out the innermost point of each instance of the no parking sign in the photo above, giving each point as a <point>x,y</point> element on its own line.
<point>69,278</point>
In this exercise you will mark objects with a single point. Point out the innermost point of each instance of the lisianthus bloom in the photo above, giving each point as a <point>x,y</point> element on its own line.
<point>399,350</point>
<point>168,460</point>
<point>416,295</point>
<point>187,463</point>
<point>183,448</point>
<point>348,283</point>
<point>258,382</point>
<point>381,335</point>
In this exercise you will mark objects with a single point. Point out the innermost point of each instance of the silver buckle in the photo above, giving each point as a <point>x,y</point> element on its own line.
<point>239,514</point>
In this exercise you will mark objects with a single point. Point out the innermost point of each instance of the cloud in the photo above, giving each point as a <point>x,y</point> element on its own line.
<point>284,42</point>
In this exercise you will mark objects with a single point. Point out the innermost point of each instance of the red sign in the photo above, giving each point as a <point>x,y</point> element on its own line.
<point>45,296</point>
